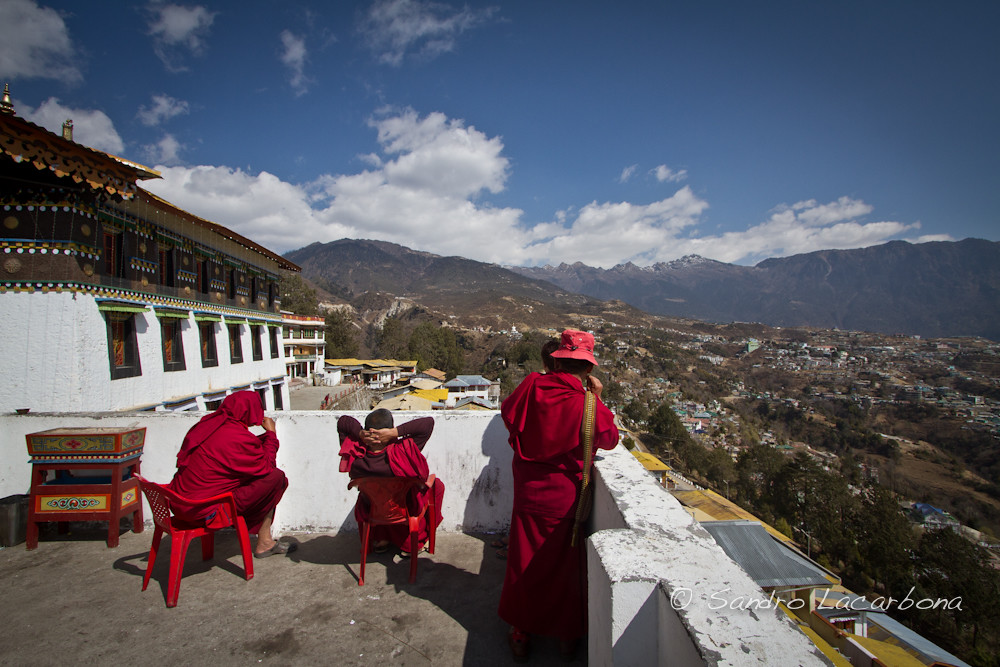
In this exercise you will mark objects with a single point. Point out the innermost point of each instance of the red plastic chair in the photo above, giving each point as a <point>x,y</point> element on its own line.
<point>183,532</point>
<point>386,498</point>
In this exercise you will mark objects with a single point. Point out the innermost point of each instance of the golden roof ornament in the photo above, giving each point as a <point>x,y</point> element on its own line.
<point>5,104</point>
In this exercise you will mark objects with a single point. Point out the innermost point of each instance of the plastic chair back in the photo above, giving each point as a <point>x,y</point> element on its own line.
<point>164,503</point>
<point>387,499</point>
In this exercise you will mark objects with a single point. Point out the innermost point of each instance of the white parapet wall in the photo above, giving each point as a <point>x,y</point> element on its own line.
<point>663,592</point>
<point>468,452</point>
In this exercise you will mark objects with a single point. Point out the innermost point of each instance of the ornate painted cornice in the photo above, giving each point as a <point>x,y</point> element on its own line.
<point>26,142</point>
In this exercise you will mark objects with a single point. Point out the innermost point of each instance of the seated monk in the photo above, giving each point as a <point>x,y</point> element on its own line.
<point>382,450</point>
<point>220,454</point>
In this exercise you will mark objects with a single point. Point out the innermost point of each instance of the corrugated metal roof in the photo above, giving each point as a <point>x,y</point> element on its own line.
<point>769,563</point>
<point>928,649</point>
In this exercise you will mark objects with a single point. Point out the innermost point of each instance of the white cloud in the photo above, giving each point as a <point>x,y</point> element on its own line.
<point>665,174</point>
<point>928,238</point>
<point>610,233</point>
<point>293,56</point>
<point>178,30</point>
<point>396,28</point>
<point>35,43</point>
<point>627,173</point>
<point>435,154</point>
<point>425,188</point>
<point>802,227</point>
<point>163,108</point>
<point>165,151</point>
<point>90,127</point>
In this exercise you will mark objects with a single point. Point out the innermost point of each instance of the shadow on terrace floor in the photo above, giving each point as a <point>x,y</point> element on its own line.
<point>73,600</point>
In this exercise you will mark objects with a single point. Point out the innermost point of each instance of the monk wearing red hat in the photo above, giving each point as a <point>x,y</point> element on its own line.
<point>544,591</point>
<point>221,454</point>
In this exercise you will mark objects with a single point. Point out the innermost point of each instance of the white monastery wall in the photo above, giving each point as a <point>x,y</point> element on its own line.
<point>54,357</point>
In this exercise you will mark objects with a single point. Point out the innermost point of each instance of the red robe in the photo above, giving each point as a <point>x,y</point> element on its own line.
<point>544,590</point>
<point>220,454</point>
<point>402,458</point>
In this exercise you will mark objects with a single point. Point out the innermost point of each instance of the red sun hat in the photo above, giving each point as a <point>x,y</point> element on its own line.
<point>576,345</point>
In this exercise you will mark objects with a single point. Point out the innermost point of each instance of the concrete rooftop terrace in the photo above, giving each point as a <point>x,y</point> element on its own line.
<point>655,576</point>
<point>75,601</point>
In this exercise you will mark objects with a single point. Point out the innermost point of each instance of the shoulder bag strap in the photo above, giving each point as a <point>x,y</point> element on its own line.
<point>583,502</point>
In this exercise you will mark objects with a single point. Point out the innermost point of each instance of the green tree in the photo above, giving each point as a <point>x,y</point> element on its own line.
<point>613,393</point>
<point>665,423</point>
<point>341,336</point>
<point>437,347</point>
<point>297,296</point>
<point>636,412</point>
<point>951,567</point>
<point>391,340</point>
<point>885,538</point>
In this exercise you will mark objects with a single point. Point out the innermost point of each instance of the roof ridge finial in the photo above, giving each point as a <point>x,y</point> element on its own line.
<point>5,104</point>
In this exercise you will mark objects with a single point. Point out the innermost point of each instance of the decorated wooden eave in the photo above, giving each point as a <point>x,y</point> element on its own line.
<point>152,200</point>
<point>25,142</point>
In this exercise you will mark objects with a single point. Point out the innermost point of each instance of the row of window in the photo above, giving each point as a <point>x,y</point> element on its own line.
<point>207,275</point>
<point>123,347</point>
<point>216,399</point>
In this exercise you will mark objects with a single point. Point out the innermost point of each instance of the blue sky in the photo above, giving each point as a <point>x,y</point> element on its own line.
<point>529,133</point>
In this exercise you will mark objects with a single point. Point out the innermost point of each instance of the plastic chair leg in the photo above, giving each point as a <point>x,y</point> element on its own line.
<point>208,546</point>
<point>431,526</point>
<point>244,537</point>
<point>366,529</point>
<point>414,548</point>
<point>152,556</point>
<point>178,550</point>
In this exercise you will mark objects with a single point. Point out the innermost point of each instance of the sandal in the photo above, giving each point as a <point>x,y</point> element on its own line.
<point>500,543</point>
<point>406,554</point>
<point>518,642</point>
<point>278,548</point>
<point>381,547</point>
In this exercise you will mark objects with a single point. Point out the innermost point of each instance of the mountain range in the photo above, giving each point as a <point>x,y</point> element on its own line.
<point>369,275</point>
<point>935,289</point>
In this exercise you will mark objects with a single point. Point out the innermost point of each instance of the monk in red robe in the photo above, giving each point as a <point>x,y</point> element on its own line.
<point>221,454</point>
<point>544,591</point>
<point>381,449</point>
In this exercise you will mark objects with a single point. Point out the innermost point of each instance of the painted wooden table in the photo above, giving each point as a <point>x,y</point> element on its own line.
<point>93,478</point>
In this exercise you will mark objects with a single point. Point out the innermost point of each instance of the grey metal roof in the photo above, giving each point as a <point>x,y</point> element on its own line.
<point>768,562</point>
<point>913,640</point>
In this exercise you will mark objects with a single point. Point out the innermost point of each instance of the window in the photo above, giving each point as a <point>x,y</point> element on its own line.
<point>231,287</point>
<point>173,345</point>
<point>275,349</point>
<point>123,349</point>
<point>276,390</point>
<point>209,353</point>
<point>262,392</point>
<point>167,267</point>
<point>199,269</point>
<point>272,293</point>
<point>114,255</point>
<point>258,348</point>
<point>235,344</point>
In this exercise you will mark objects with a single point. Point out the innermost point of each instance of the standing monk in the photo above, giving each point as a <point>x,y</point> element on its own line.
<point>544,591</point>
<point>220,454</point>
